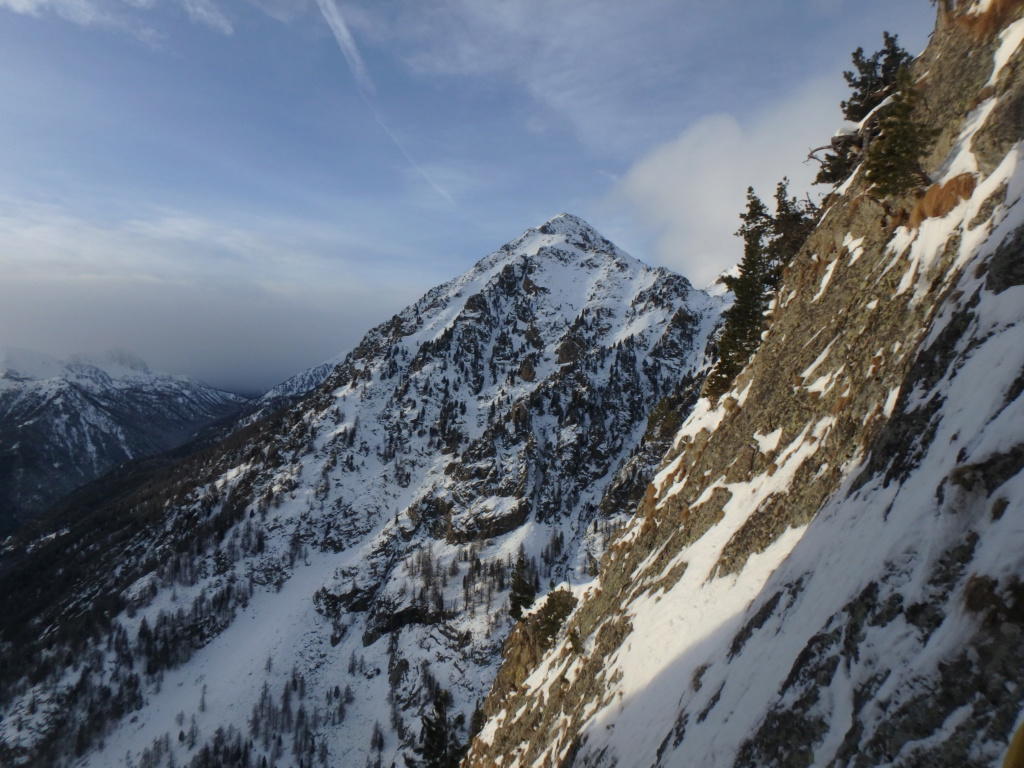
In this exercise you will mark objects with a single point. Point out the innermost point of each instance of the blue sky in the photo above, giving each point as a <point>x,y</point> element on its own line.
<point>239,190</point>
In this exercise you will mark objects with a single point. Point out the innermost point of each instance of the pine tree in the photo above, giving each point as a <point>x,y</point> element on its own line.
<point>476,722</point>
<point>874,78</point>
<point>872,81</point>
<point>841,161</point>
<point>789,228</point>
<point>523,591</point>
<point>893,163</point>
<point>769,244</point>
<point>744,318</point>
<point>439,743</point>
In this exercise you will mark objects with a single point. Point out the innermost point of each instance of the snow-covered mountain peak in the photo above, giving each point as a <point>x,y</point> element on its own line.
<point>565,239</point>
<point>375,522</point>
<point>718,286</point>
<point>544,283</point>
<point>573,228</point>
<point>567,230</point>
<point>20,366</point>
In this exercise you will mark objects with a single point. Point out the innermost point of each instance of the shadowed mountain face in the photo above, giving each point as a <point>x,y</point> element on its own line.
<point>353,554</point>
<point>64,424</point>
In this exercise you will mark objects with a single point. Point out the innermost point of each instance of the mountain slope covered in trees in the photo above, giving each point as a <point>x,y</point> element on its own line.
<point>325,583</point>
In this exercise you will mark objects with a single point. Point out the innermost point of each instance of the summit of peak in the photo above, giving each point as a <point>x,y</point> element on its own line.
<point>570,229</point>
<point>564,238</point>
<point>565,223</point>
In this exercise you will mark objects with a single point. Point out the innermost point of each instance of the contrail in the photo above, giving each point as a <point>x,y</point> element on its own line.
<point>347,44</point>
<point>376,115</point>
<point>364,84</point>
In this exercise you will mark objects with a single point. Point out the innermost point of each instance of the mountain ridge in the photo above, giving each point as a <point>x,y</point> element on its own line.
<point>372,525</point>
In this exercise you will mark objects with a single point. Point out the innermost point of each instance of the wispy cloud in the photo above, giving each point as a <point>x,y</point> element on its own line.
<point>692,189</point>
<point>79,11</point>
<point>420,170</point>
<point>38,239</point>
<point>623,76</point>
<point>367,90</point>
<point>118,13</point>
<point>205,12</point>
<point>567,56</point>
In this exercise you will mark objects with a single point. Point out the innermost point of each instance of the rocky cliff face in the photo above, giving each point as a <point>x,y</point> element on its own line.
<point>300,592</point>
<point>827,568</point>
<point>64,424</point>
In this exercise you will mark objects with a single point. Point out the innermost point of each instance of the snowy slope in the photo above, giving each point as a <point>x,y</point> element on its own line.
<point>65,423</point>
<point>346,557</point>
<point>829,568</point>
<point>289,391</point>
<point>300,383</point>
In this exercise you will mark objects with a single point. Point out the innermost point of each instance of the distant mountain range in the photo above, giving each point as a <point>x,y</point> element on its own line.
<point>64,423</point>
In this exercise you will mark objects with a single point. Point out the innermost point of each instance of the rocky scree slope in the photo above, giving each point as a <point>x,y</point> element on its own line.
<point>827,569</point>
<point>300,593</point>
<point>64,424</point>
